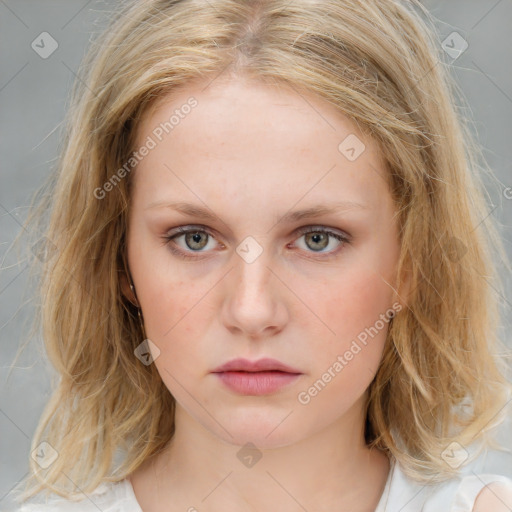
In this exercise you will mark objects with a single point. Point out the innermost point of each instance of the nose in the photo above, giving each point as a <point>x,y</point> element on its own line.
<point>255,299</point>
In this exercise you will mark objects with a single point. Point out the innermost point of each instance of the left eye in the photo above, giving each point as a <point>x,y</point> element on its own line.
<point>197,239</point>
<point>318,239</point>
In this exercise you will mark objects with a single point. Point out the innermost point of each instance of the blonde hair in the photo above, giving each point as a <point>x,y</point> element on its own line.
<point>379,63</point>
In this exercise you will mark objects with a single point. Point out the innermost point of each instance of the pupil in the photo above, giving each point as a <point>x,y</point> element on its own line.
<point>193,240</point>
<point>316,238</point>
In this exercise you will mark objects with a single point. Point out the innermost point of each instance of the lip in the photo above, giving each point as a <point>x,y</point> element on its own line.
<point>261,365</point>
<point>260,377</point>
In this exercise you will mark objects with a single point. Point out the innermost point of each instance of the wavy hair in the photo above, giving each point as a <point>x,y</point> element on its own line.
<point>378,62</point>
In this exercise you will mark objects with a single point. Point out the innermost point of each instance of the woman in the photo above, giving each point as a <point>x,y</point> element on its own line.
<point>267,268</point>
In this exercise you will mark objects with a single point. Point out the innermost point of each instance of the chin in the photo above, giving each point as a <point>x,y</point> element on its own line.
<point>268,433</point>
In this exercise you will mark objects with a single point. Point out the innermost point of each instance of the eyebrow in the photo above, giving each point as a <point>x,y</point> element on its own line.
<point>289,217</point>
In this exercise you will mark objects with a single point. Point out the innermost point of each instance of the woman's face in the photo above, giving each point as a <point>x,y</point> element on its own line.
<point>239,164</point>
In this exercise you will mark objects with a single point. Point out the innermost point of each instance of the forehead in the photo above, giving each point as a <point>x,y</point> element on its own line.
<point>261,139</point>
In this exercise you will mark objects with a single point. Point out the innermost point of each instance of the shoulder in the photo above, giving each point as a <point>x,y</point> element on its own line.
<point>474,493</point>
<point>495,497</point>
<point>469,492</point>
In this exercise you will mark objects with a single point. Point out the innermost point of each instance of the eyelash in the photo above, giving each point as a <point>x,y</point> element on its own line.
<point>169,239</point>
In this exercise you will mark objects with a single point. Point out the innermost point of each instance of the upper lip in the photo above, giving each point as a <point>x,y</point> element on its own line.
<point>244,365</point>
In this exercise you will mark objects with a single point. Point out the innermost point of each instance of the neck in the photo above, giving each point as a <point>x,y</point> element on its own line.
<point>331,469</point>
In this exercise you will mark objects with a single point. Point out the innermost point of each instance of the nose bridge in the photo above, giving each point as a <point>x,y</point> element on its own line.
<point>252,301</point>
<point>253,275</point>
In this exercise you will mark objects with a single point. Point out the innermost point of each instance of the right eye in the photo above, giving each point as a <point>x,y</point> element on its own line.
<point>194,238</point>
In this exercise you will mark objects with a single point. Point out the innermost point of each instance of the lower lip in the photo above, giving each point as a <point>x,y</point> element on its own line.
<point>256,383</point>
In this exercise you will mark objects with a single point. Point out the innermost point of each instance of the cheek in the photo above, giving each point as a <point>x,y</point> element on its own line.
<point>355,306</point>
<point>173,305</point>
<point>176,318</point>
<point>354,298</point>
<point>357,309</point>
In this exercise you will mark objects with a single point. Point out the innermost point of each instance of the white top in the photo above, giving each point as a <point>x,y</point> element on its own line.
<point>401,494</point>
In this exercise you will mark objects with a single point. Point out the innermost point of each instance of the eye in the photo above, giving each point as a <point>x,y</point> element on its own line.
<point>317,238</point>
<point>197,238</point>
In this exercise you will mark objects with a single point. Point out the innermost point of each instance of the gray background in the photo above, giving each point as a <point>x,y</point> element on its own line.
<point>33,95</point>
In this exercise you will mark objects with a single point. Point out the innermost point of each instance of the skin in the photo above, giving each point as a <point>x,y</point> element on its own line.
<point>250,153</point>
<point>495,497</point>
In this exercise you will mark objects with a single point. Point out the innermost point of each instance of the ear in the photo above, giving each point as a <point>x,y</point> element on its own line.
<point>126,290</point>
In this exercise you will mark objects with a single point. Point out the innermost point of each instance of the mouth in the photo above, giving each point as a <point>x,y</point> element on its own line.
<point>261,365</point>
<point>257,383</point>
<point>260,373</point>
